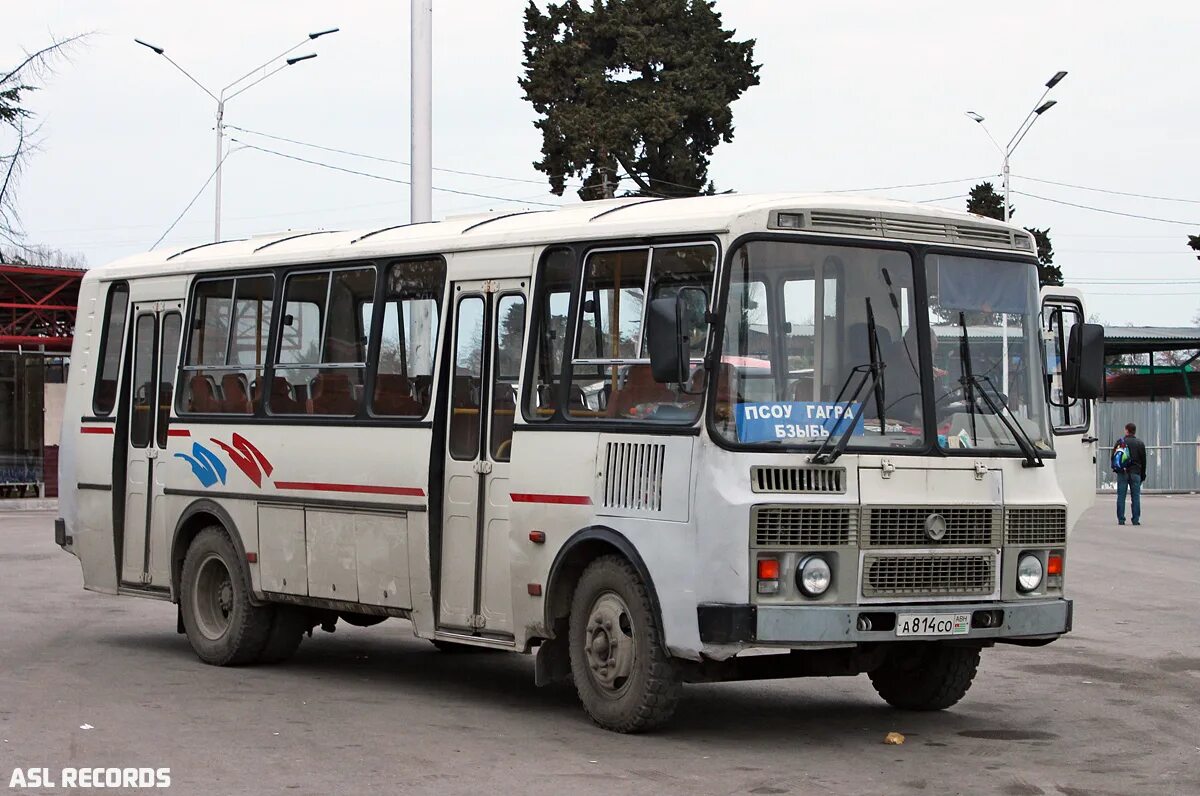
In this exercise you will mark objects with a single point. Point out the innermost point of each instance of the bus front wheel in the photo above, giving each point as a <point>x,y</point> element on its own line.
<point>624,677</point>
<point>925,676</point>
<point>223,626</point>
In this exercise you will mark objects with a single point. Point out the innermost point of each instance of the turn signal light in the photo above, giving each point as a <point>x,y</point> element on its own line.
<point>1054,564</point>
<point>768,569</point>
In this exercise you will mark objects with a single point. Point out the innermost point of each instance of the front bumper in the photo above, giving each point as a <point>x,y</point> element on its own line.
<point>1034,620</point>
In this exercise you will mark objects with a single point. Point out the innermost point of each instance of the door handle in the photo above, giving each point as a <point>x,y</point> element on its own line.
<point>1089,440</point>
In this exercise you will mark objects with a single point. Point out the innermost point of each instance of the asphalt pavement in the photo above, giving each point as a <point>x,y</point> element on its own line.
<point>88,680</point>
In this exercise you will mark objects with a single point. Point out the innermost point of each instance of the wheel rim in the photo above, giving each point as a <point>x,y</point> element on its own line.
<point>213,589</point>
<point>609,644</point>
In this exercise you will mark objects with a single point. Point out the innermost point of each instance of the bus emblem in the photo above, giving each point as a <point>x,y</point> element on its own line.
<point>935,527</point>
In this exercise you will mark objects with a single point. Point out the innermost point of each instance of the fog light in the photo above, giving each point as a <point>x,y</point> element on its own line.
<point>813,576</point>
<point>1029,572</point>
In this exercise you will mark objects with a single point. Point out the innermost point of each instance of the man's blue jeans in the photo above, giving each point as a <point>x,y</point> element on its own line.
<point>1131,482</point>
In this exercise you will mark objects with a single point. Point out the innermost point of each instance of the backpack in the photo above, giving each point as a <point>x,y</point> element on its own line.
<point>1120,456</point>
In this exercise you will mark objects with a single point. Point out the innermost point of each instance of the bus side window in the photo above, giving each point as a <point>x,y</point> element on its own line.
<point>1066,414</point>
<point>321,363</point>
<point>408,339</point>
<point>222,372</point>
<point>549,333</point>
<point>105,396</point>
<point>611,365</point>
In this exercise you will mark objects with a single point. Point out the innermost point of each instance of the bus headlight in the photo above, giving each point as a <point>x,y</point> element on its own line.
<point>813,576</point>
<point>1029,572</point>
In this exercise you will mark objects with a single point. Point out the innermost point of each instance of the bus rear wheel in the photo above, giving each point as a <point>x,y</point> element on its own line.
<point>624,677</point>
<point>925,676</point>
<point>223,626</point>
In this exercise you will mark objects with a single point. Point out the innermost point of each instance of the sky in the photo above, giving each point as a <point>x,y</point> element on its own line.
<point>854,96</point>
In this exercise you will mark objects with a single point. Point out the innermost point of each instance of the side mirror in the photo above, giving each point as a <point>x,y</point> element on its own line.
<point>666,340</point>
<point>671,326</point>
<point>1083,376</point>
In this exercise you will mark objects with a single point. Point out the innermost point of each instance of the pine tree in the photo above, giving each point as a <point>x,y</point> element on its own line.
<point>984,201</point>
<point>637,89</point>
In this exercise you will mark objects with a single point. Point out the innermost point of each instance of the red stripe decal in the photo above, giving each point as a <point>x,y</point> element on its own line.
<point>369,489</point>
<point>564,500</point>
<point>178,432</point>
<point>96,430</point>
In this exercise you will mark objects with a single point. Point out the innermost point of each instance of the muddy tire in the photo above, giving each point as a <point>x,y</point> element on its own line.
<point>288,627</point>
<point>223,626</point>
<point>926,676</point>
<point>624,677</point>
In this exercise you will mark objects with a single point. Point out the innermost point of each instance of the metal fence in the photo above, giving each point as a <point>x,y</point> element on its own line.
<point>1171,431</point>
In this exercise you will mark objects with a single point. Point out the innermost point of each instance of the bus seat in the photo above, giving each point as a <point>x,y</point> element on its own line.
<point>333,395</point>
<point>282,400</point>
<point>393,396</point>
<point>200,395</point>
<point>639,388</point>
<point>236,398</point>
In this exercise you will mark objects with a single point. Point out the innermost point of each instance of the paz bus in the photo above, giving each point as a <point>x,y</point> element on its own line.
<point>653,441</point>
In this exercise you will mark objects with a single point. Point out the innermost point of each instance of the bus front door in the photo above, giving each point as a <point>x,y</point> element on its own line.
<point>144,555</point>
<point>489,327</point>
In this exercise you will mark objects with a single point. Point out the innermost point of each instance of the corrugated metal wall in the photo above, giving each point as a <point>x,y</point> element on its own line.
<point>1171,431</point>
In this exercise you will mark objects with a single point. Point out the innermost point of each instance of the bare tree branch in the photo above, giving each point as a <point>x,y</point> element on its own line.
<point>40,60</point>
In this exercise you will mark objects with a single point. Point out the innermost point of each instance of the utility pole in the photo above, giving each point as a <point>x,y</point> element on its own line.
<point>421,196</point>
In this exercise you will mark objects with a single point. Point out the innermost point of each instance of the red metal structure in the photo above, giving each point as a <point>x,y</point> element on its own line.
<point>37,306</point>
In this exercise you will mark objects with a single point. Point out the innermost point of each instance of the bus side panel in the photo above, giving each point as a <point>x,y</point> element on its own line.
<point>641,491</point>
<point>87,457</point>
<point>334,473</point>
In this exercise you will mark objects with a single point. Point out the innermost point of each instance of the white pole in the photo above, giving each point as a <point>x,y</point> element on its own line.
<point>421,201</point>
<point>220,146</point>
<point>1004,316</point>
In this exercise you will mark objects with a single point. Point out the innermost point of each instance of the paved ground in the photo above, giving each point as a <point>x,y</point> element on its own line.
<point>1111,709</point>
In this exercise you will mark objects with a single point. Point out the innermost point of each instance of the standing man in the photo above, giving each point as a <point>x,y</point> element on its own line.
<point>1129,463</point>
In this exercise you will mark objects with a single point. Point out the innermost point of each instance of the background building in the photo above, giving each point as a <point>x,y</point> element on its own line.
<point>37,321</point>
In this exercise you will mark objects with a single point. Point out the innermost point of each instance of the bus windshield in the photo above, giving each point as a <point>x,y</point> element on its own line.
<point>820,343</point>
<point>983,317</point>
<point>803,324</point>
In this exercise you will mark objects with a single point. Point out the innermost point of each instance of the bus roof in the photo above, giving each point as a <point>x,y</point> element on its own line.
<point>635,216</point>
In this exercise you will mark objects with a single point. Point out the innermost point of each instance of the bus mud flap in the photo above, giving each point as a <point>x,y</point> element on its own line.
<point>552,664</point>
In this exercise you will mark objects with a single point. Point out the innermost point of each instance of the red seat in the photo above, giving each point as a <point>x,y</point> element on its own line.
<point>200,395</point>
<point>282,400</point>
<point>333,394</point>
<point>393,396</point>
<point>235,398</point>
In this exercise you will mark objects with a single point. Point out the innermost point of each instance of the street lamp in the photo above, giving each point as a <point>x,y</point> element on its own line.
<point>221,99</point>
<point>1040,107</point>
<point>1006,151</point>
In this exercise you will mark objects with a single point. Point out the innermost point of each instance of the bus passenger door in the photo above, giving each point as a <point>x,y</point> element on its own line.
<point>489,326</point>
<point>1070,418</point>
<point>156,328</point>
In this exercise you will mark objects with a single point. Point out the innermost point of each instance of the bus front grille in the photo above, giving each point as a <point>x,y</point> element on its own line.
<point>803,526</point>
<point>1036,525</point>
<point>910,526</point>
<point>928,575</point>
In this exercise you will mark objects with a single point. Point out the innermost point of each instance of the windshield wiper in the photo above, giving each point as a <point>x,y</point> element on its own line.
<point>1032,457</point>
<point>872,374</point>
<point>971,383</point>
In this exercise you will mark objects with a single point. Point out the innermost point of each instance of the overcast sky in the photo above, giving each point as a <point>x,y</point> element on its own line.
<point>861,95</point>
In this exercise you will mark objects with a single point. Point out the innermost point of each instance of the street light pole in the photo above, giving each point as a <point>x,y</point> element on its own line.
<point>221,99</point>
<point>421,99</point>
<point>1040,107</point>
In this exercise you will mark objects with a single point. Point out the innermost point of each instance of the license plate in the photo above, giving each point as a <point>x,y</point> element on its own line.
<point>933,624</point>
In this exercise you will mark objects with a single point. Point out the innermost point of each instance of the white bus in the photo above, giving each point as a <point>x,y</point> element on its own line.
<point>653,441</point>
